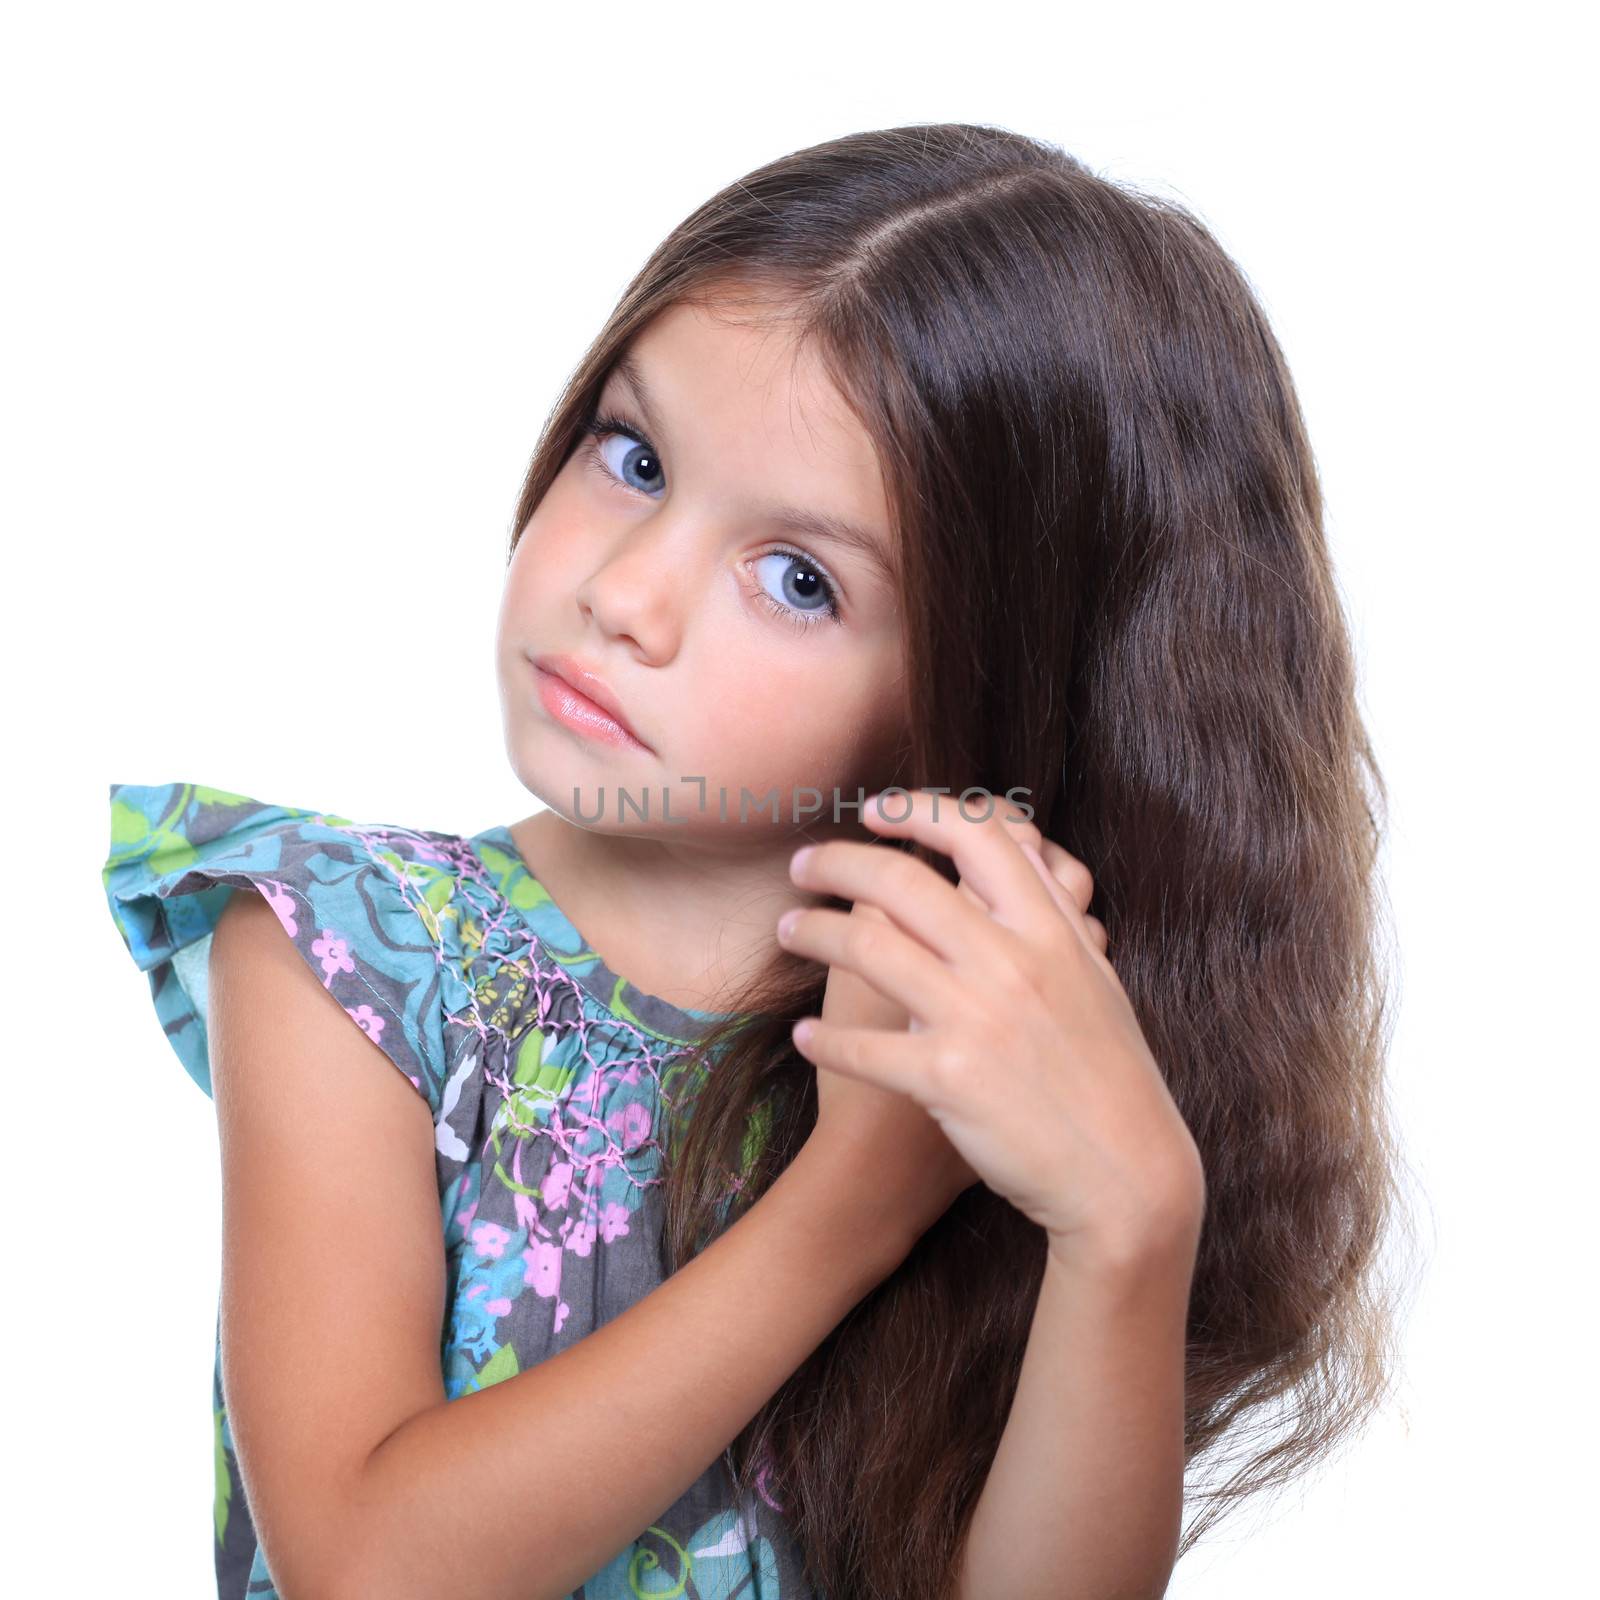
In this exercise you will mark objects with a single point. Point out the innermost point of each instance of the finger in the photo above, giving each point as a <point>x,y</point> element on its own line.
<point>893,1061</point>
<point>984,848</point>
<point>898,966</point>
<point>1032,842</point>
<point>1071,886</point>
<point>1026,832</point>
<point>1059,893</point>
<point>1060,868</point>
<point>1021,827</point>
<point>1069,872</point>
<point>853,1001</point>
<point>972,894</point>
<point>916,898</point>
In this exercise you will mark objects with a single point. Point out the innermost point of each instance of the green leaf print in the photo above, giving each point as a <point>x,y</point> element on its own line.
<point>130,829</point>
<point>532,1070</point>
<point>501,1365</point>
<point>525,892</point>
<point>224,1490</point>
<point>438,891</point>
<point>219,797</point>
<point>538,1083</point>
<point>128,825</point>
<point>436,887</point>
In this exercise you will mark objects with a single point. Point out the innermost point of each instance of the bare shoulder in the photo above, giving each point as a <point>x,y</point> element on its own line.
<point>333,1269</point>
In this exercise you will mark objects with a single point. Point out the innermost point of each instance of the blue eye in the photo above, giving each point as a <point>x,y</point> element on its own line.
<point>640,457</point>
<point>805,595</point>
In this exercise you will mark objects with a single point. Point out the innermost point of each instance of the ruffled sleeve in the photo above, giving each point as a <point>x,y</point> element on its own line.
<point>360,904</point>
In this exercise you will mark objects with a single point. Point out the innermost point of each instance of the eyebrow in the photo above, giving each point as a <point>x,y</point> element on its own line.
<point>807,524</point>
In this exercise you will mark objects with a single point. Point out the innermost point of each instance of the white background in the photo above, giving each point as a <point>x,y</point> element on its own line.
<point>288,293</point>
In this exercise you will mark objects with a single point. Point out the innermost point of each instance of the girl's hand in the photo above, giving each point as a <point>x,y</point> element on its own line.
<point>1021,1043</point>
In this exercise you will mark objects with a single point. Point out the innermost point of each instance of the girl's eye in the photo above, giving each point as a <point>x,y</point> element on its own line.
<point>639,456</point>
<point>805,596</point>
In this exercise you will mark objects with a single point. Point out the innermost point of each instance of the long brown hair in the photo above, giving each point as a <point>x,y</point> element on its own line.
<point>1117,595</point>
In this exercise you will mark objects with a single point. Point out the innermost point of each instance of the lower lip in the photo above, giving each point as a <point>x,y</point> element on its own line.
<point>580,713</point>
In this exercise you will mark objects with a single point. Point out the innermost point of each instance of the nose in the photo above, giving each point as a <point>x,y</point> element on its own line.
<point>631,595</point>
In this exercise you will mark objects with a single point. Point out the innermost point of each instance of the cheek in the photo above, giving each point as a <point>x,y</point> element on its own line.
<point>549,544</point>
<point>788,720</point>
<point>543,567</point>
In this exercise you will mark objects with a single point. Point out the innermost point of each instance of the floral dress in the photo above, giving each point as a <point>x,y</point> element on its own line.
<point>545,1074</point>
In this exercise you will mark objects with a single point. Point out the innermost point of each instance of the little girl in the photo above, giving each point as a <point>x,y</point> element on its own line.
<point>936,502</point>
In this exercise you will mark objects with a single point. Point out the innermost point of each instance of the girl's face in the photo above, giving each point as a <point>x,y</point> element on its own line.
<point>694,563</point>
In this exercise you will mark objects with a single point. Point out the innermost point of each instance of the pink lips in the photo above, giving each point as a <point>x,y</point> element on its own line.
<point>580,700</point>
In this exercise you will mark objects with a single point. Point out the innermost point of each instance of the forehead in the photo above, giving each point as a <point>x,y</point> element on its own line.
<point>732,394</point>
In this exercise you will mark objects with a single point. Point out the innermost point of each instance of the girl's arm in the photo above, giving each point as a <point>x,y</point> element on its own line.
<point>1084,1499</point>
<point>362,1478</point>
<point>529,1487</point>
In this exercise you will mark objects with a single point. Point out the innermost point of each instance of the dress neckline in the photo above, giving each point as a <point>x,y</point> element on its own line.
<point>531,902</point>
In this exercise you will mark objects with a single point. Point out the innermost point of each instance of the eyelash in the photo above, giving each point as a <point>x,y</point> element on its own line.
<point>600,424</point>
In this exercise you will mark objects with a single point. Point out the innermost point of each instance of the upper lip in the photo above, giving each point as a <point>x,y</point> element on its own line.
<point>590,685</point>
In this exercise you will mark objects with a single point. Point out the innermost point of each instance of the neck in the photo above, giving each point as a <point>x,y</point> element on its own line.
<point>689,918</point>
